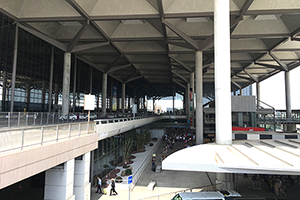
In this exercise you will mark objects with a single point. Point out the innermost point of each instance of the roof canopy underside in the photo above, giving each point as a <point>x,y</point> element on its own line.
<point>156,40</point>
<point>257,157</point>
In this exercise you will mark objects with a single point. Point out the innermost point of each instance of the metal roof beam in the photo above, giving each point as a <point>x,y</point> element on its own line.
<point>83,47</point>
<point>181,34</point>
<point>90,63</point>
<point>179,76</point>
<point>251,76</point>
<point>281,64</point>
<point>178,83</point>
<point>134,78</point>
<point>268,65</point>
<point>182,64</point>
<point>76,38</point>
<point>118,68</point>
<point>46,38</point>
<point>111,65</point>
<point>237,85</point>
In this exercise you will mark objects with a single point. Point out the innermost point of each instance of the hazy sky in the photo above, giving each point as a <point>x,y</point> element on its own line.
<point>273,90</point>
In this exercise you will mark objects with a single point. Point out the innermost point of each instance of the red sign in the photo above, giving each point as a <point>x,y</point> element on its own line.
<point>248,129</point>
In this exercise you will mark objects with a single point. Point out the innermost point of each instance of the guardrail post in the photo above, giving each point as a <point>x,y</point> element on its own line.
<point>41,118</point>
<point>34,116</point>
<point>42,135</point>
<point>69,131</point>
<point>26,116</point>
<point>19,116</point>
<point>57,133</point>
<point>88,127</point>
<point>79,128</point>
<point>47,118</point>
<point>8,119</point>
<point>22,140</point>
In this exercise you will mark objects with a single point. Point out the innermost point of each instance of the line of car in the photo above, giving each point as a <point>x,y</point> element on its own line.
<point>73,117</point>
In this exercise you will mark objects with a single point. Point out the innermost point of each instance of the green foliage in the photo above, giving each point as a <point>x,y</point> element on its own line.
<point>128,171</point>
<point>127,148</point>
<point>126,166</point>
<point>147,136</point>
<point>140,142</point>
<point>119,179</point>
<point>151,144</point>
<point>106,166</point>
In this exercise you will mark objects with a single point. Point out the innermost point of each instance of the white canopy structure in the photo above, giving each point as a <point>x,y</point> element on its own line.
<point>260,157</point>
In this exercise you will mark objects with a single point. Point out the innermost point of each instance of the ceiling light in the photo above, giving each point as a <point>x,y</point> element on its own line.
<point>197,19</point>
<point>70,23</point>
<point>266,17</point>
<point>132,21</point>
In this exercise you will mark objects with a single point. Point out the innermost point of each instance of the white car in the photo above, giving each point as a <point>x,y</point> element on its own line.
<point>71,117</point>
<point>230,193</point>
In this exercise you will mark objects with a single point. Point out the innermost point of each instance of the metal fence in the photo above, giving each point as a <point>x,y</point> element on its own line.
<point>168,196</point>
<point>20,119</point>
<point>19,138</point>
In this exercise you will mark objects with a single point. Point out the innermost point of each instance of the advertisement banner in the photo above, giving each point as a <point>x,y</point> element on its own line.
<point>114,99</point>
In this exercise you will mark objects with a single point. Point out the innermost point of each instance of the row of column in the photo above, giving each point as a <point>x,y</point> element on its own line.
<point>69,181</point>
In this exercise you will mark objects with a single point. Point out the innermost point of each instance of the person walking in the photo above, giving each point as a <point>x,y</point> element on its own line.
<point>112,189</point>
<point>99,185</point>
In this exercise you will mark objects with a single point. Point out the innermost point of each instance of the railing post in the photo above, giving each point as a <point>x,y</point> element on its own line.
<point>69,131</point>
<point>47,118</point>
<point>42,136</point>
<point>41,118</point>
<point>26,116</point>
<point>8,119</point>
<point>19,116</point>
<point>34,117</point>
<point>57,133</point>
<point>88,126</point>
<point>79,128</point>
<point>22,140</point>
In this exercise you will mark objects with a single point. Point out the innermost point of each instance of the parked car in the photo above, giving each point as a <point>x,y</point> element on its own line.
<point>92,116</point>
<point>71,117</point>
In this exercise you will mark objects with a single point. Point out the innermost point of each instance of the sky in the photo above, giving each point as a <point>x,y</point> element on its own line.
<point>273,90</point>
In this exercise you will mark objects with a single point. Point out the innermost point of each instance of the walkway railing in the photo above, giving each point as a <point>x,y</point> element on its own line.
<point>144,165</point>
<point>168,196</point>
<point>19,138</point>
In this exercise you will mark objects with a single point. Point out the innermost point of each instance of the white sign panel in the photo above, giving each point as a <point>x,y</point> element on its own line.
<point>89,102</point>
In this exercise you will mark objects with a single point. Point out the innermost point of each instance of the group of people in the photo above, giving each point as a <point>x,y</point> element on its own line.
<point>274,183</point>
<point>112,187</point>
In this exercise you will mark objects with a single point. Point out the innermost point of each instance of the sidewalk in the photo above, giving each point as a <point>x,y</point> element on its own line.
<point>167,181</point>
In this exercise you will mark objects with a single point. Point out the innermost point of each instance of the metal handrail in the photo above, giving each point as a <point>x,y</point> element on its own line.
<point>22,137</point>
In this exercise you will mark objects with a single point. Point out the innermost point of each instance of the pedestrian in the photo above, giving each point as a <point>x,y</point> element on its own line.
<point>112,187</point>
<point>153,165</point>
<point>99,185</point>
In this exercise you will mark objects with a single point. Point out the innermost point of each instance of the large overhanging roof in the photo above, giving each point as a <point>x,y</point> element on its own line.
<point>257,157</point>
<point>156,40</point>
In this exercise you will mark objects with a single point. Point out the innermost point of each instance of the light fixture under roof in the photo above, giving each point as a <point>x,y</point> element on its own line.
<point>197,19</point>
<point>74,23</point>
<point>266,17</point>
<point>132,21</point>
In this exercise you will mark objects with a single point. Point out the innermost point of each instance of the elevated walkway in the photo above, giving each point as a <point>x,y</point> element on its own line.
<point>26,151</point>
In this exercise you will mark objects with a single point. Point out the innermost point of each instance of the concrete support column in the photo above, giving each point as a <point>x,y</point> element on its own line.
<point>240,119</point>
<point>192,82</point>
<point>59,182</point>
<point>111,95</point>
<point>173,100</point>
<point>153,105</point>
<point>28,88</point>
<point>199,97</point>
<point>104,93</point>
<point>222,72</point>
<point>288,98</point>
<point>4,80</point>
<point>14,71</point>
<point>74,84</point>
<point>123,97</point>
<point>91,81</point>
<point>66,84</point>
<point>56,94</point>
<point>82,185</point>
<point>257,95</point>
<point>187,102</point>
<point>51,80</point>
<point>43,95</point>
<point>241,92</point>
<point>225,181</point>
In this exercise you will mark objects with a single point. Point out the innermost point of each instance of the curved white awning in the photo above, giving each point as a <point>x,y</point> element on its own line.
<point>261,157</point>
